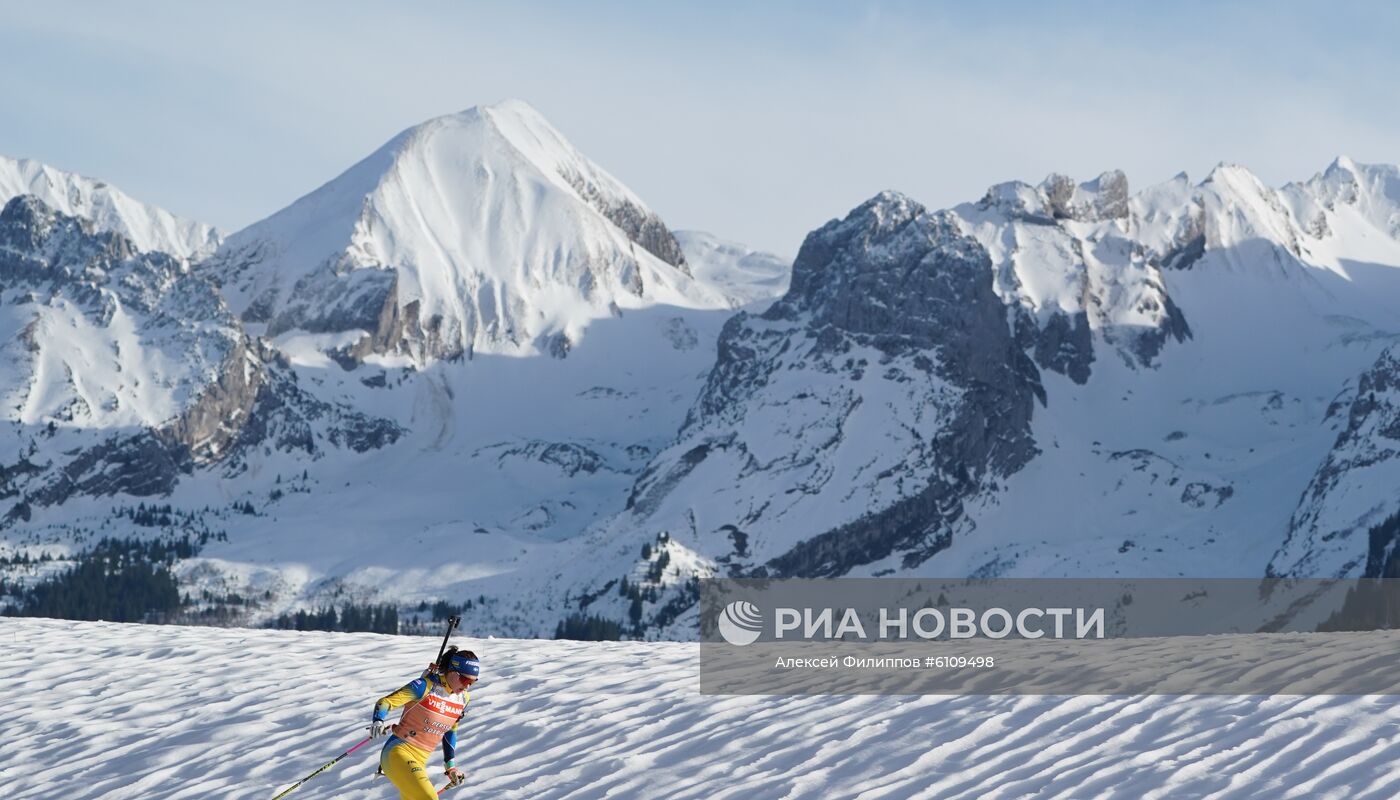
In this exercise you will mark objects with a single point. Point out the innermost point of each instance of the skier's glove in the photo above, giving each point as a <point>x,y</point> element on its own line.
<point>378,728</point>
<point>455,777</point>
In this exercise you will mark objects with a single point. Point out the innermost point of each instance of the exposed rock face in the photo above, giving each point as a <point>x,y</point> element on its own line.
<point>395,328</point>
<point>639,223</point>
<point>890,303</point>
<point>569,458</point>
<point>48,250</point>
<point>1171,326</point>
<point>142,465</point>
<point>212,422</point>
<point>1064,344</point>
<point>329,301</point>
<point>1354,488</point>
<point>1058,197</point>
<point>285,418</point>
<point>1104,198</point>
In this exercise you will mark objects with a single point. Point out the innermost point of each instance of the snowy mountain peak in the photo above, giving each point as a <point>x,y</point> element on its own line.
<point>1015,200</point>
<point>1059,197</point>
<point>483,230</point>
<point>1227,173</point>
<point>856,272</point>
<point>26,216</point>
<point>1362,192</point>
<point>149,228</point>
<point>1341,164</point>
<point>818,275</point>
<point>885,212</point>
<point>891,327</point>
<point>524,130</point>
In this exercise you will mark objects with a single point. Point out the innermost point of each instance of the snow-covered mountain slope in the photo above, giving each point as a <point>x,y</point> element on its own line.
<point>1090,260</point>
<point>481,471</point>
<point>1351,210</point>
<point>879,390</point>
<point>744,275</point>
<point>576,720</point>
<point>478,232</point>
<point>1200,334</point>
<point>1271,301</point>
<point>111,336</point>
<point>504,462</point>
<point>149,228</point>
<point>1355,488</point>
<point>1072,271</point>
<point>319,467</point>
<point>119,369</point>
<point>1060,379</point>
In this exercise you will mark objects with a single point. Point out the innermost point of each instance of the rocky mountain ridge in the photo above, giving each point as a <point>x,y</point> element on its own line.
<point>128,371</point>
<point>148,228</point>
<point>1058,379</point>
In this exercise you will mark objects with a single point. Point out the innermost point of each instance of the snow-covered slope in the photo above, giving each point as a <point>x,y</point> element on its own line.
<point>744,275</point>
<point>1237,315</point>
<point>101,335</point>
<point>1059,379</point>
<point>1189,339</point>
<point>109,209</point>
<point>317,459</point>
<point>119,369</point>
<point>478,232</point>
<point>1355,488</point>
<point>883,387</point>
<point>171,713</point>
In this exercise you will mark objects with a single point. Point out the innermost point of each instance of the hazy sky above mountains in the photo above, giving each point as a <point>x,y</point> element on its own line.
<point>755,123</point>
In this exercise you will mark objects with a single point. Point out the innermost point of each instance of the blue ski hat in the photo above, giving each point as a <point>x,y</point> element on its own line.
<point>462,664</point>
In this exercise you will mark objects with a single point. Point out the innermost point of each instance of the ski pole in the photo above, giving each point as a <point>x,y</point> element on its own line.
<point>451,623</point>
<point>322,769</point>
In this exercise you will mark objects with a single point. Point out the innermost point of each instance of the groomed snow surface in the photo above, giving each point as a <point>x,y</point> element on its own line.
<point>101,710</point>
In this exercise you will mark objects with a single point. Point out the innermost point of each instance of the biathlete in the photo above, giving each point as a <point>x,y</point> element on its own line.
<point>436,702</point>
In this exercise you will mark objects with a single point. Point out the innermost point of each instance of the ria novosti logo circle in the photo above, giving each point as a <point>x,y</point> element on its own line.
<point>740,623</point>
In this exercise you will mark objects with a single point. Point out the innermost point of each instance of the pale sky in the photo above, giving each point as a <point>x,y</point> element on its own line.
<point>754,121</point>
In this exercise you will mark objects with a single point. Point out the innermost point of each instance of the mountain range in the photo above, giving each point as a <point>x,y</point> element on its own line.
<point>476,367</point>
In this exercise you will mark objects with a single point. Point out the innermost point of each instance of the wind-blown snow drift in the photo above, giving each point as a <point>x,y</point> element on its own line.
<point>171,713</point>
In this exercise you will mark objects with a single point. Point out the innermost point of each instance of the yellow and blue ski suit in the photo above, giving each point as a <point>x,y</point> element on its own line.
<point>431,717</point>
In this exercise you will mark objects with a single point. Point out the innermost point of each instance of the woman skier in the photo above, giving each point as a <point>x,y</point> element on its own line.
<point>436,702</point>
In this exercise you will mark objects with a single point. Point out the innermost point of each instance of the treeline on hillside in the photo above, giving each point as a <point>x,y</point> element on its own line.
<point>118,580</point>
<point>1382,560</point>
<point>1374,603</point>
<point>132,580</point>
<point>588,628</point>
<point>350,618</point>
